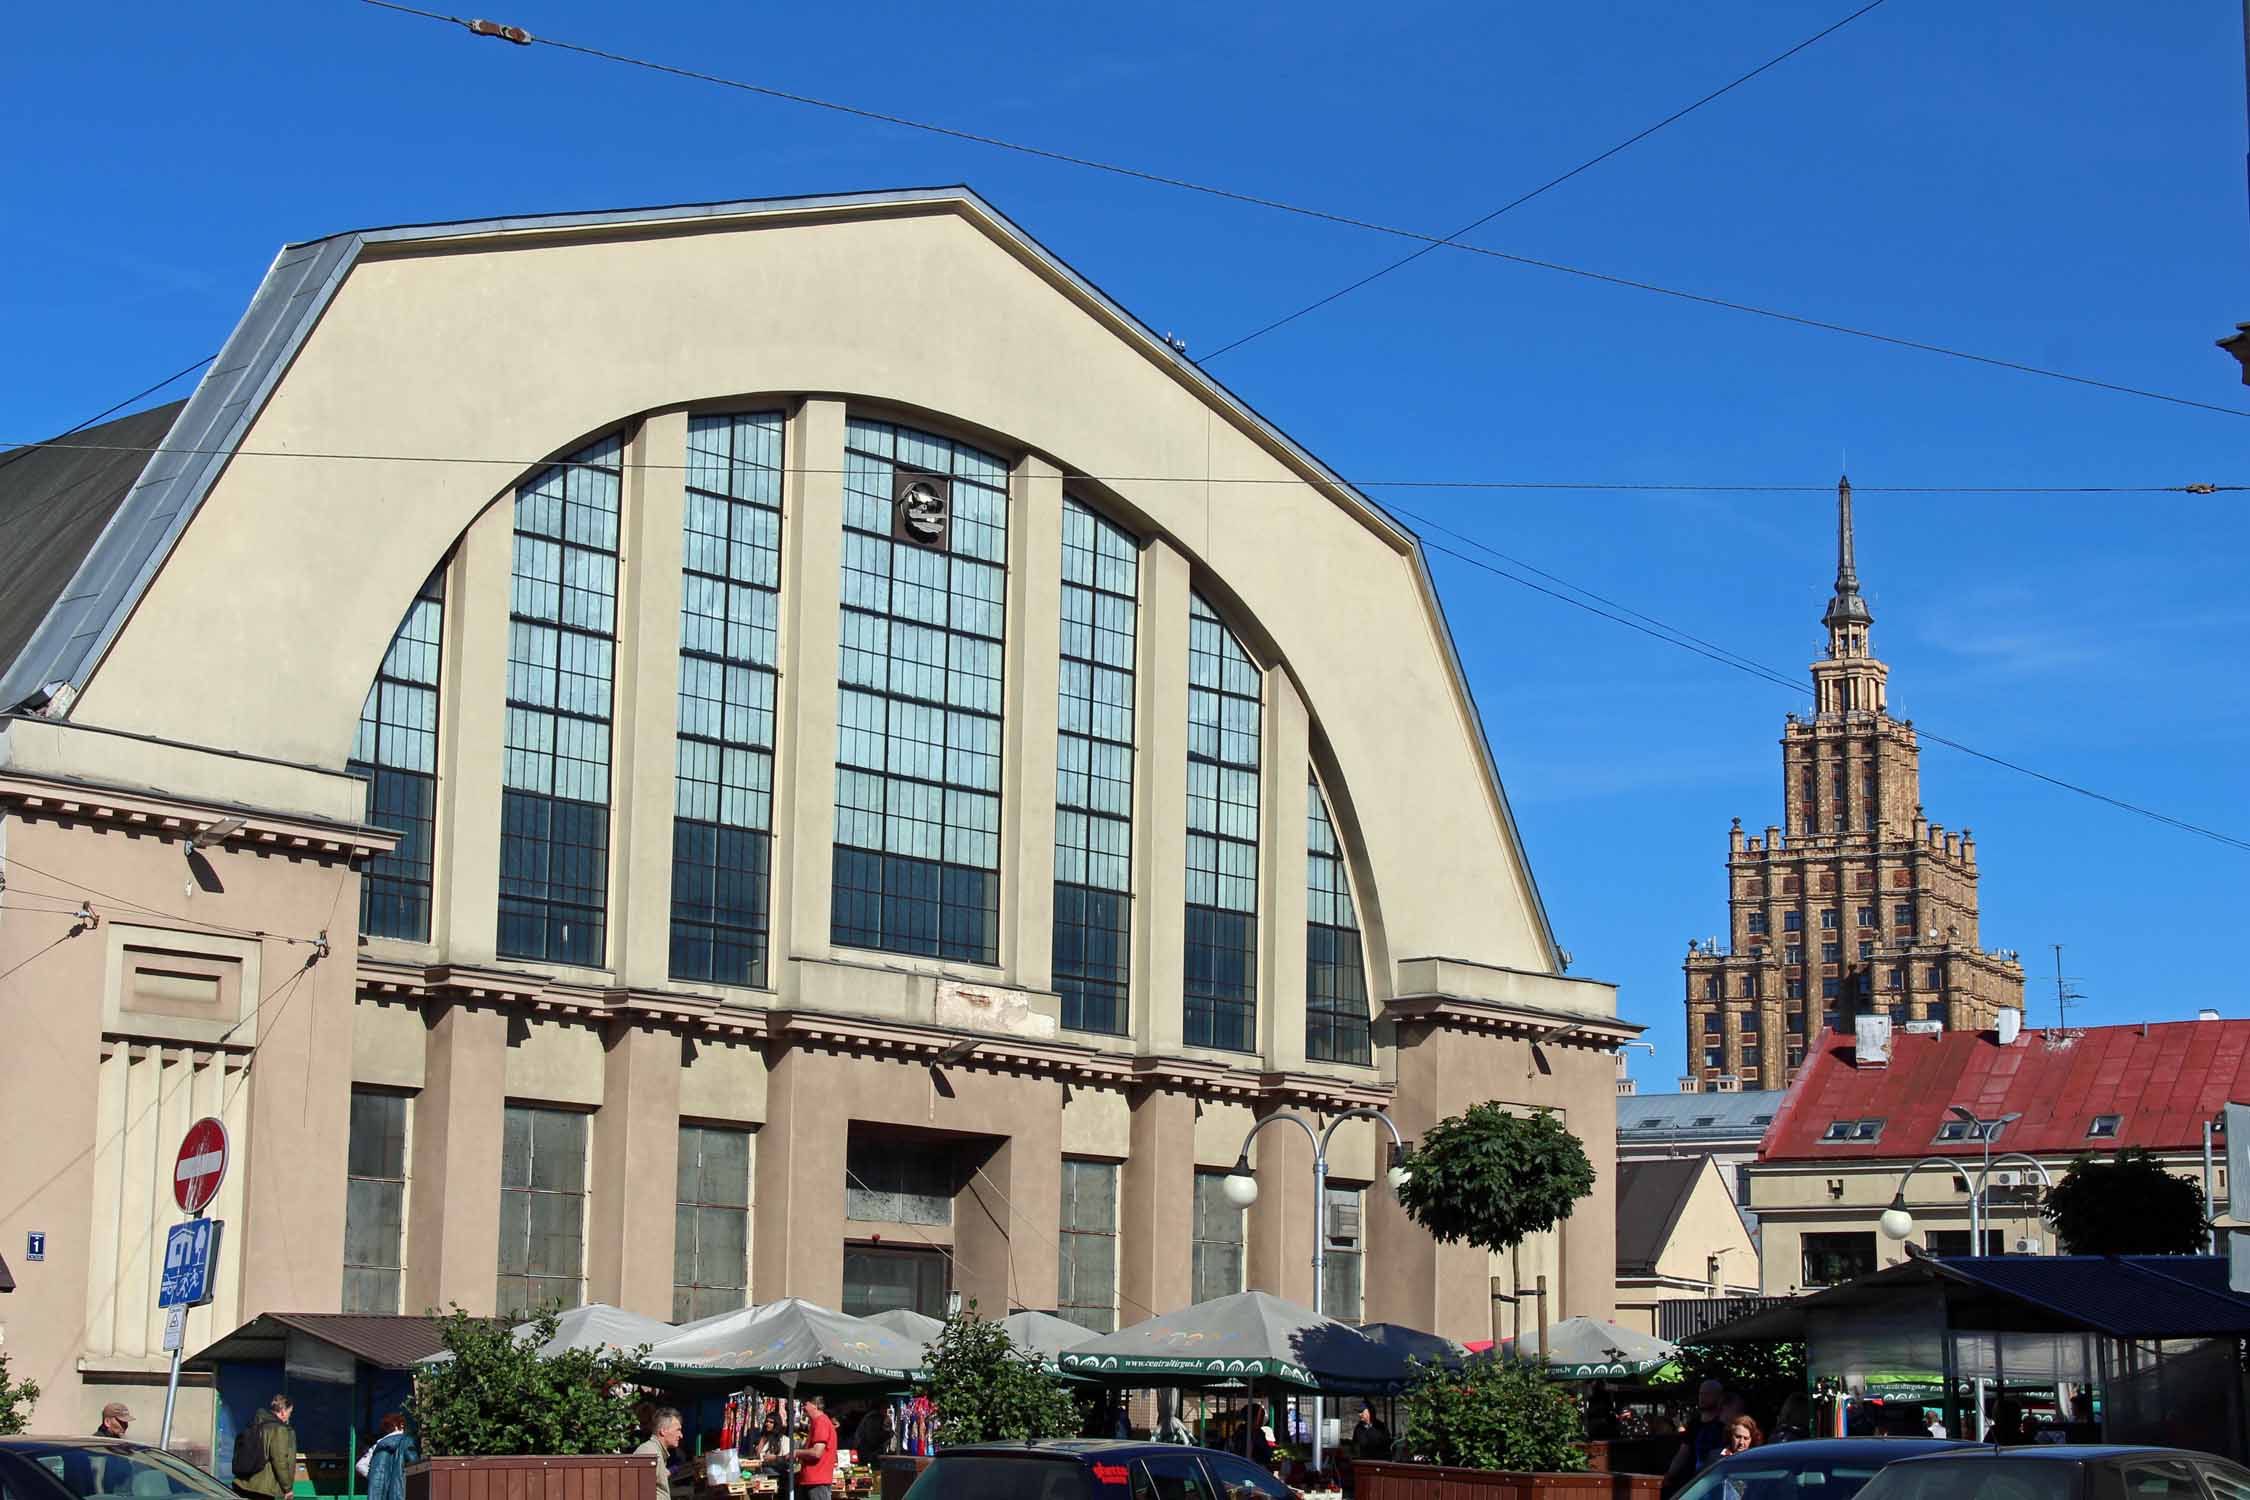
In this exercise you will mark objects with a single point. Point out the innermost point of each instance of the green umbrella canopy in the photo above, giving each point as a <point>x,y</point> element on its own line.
<point>1252,1336</point>
<point>791,1343</point>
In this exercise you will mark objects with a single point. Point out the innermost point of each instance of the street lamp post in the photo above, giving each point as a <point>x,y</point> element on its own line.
<point>1241,1190</point>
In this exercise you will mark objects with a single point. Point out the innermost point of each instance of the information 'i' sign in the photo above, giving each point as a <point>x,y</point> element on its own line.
<point>202,1165</point>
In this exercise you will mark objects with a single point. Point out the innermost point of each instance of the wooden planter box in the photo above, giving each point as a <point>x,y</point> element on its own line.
<point>532,1477</point>
<point>1389,1481</point>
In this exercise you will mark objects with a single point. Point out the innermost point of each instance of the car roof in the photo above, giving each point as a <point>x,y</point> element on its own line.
<point>1829,1450</point>
<point>1083,1450</point>
<point>2080,1453</point>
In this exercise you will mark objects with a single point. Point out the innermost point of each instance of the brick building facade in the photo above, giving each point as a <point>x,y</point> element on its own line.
<point>1861,904</point>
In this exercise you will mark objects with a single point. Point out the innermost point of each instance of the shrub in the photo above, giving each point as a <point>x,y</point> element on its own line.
<point>1491,1414</point>
<point>498,1396</point>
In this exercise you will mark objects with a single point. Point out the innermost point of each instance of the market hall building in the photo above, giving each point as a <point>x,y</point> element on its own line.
<point>686,756</point>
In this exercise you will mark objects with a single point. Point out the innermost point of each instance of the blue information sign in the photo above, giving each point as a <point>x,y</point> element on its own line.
<point>191,1250</point>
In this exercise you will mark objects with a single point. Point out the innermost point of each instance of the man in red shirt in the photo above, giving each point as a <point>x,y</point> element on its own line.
<point>817,1454</point>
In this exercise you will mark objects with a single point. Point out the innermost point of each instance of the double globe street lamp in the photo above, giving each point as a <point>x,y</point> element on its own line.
<point>1241,1190</point>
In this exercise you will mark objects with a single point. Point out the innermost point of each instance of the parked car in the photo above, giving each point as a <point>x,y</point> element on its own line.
<point>1813,1469</point>
<point>2061,1471</point>
<point>1094,1470</point>
<point>90,1468</point>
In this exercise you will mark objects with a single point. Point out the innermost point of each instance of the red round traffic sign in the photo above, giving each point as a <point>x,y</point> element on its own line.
<point>202,1165</point>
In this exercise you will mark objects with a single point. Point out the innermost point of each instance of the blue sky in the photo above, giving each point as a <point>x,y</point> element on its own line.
<point>2053,181</point>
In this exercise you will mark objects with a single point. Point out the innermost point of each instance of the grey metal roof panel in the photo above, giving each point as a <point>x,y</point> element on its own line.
<point>74,633</point>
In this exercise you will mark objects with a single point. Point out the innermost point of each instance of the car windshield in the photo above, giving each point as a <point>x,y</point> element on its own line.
<point>1781,1478</point>
<point>144,1473</point>
<point>1977,1479</point>
<point>969,1477</point>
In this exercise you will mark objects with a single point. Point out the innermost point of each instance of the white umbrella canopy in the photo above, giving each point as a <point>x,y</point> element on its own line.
<point>597,1326</point>
<point>791,1343</point>
<point>1249,1336</point>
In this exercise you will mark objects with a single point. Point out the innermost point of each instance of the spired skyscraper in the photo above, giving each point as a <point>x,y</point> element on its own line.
<point>1860,905</point>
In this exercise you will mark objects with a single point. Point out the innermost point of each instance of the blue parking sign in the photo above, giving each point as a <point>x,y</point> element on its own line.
<point>191,1251</point>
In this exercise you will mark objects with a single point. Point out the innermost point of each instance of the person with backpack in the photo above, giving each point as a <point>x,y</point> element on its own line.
<point>265,1453</point>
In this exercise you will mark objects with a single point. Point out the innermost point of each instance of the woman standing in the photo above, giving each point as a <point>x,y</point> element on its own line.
<point>388,1458</point>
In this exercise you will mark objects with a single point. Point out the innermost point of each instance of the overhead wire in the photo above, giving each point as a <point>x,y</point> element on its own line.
<point>1160,179</point>
<point>1551,183</point>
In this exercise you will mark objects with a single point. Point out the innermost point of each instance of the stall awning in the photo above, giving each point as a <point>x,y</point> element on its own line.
<point>386,1342</point>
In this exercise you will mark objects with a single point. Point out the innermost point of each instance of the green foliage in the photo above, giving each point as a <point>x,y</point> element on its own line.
<point>2128,1205</point>
<point>15,1401</point>
<point>1765,1374</point>
<point>1492,1179</point>
<point>1493,1414</point>
<point>985,1389</point>
<point>496,1396</point>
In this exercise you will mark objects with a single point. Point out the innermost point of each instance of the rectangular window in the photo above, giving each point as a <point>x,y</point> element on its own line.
<point>375,1203</point>
<point>1335,972</point>
<point>1220,996</point>
<point>899,1182</point>
<point>542,1209</point>
<point>1094,772</point>
<point>1087,1289</point>
<point>1342,1256</point>
<point>562,649</point>
<point>917,855</point>
<point>711,1225</point>
<point>1792,921</point>
<point>1757,921</point>
<point>1217,1251</point>
<point>1833,1259</point>
<point>882,1278</point>
<point>1828,919</point>
<point>730,594</point>
<point>396,755</point>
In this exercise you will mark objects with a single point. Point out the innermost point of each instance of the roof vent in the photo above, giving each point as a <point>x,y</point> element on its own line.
<point>2207,1014</point>
<point>1873,1034</point>
<point>2009,1025</point>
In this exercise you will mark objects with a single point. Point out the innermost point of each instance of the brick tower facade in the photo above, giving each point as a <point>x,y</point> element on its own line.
<point>1861,905</point>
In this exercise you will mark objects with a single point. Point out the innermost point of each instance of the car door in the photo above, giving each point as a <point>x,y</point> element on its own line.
<point>1239,1479</point>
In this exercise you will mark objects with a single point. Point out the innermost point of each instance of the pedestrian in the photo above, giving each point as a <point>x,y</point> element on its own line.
<point>116,1417</point>
<point>663,1437</point>
<point>1702,1439</point>
<point>817,1456</point>
<point>265,1453</point>
<point>385,1461</point>
<point>1742,1435</point>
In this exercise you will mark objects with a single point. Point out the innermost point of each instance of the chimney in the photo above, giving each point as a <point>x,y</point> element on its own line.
<point>1873,1036</point>
<point>2008,1025</point>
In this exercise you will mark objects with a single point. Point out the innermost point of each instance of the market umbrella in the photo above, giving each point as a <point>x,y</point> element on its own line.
<point>1250,1336</point>
<point>1591,1349</point>
<point>791,1344</point>
<point>596,1326</point>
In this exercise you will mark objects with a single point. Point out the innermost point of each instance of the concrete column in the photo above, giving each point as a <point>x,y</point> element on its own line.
<point>1160,802</point>
<point>1027,811</point>
<point>636,1148</point>
<point>646,712</point>
<point>1286,751</point>
<point>1005,1242</point>
<point>296,1153</point>
<point>799,1218</point>
<point>453,1211</point>
<point>812,536</point>
<point>1278,1249</point>
<point>1156,1207</point>
<point>465,918</point>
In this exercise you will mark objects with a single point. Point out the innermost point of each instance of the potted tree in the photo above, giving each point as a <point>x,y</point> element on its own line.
<point>500,1413</point>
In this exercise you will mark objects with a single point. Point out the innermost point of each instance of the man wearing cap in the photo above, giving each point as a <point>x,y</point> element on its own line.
<point>116,1417</point>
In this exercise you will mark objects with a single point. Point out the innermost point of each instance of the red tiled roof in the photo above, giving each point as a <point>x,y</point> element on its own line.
<point>2162,1080</point>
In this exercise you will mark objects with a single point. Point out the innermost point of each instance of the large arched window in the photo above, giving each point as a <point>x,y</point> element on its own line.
<point>1094,771</point>
<point>922,628</point>
<point>395,753</point>
<point>730,592</point>
<point>1335,972</point>
<point>1220,993</point>
<point>562,655</point>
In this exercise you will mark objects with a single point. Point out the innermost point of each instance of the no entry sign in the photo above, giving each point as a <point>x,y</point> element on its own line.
<point>202,1165</point>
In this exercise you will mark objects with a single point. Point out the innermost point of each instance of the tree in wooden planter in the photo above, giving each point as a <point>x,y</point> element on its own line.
<point>498,1395</point>
<point>1491,1414</point>
<point>986,1390</point>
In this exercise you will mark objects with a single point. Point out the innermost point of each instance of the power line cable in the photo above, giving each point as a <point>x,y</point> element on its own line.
<point>2199,488</point>
<point>1552,182</point>
<point>516,34</point>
